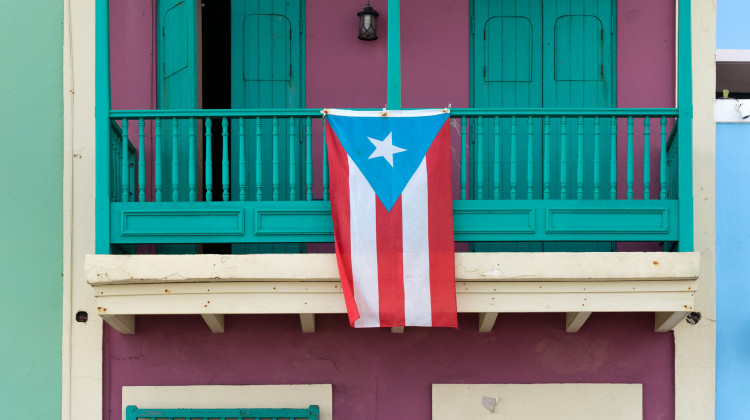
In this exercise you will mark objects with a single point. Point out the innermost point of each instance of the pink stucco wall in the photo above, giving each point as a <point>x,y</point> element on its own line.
<point>133,66</point>
<point>380,375</point>
<point>645,79</point>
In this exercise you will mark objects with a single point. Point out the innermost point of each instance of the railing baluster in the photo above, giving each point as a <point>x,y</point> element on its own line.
<point>663,160</point>
<point>630,159</point>
<point>308,158</point>
<point>157,160</point>
<point>513,155</point>
<point>546,168</point>
<point>597,164</point>
<point>579,166</point>
<point>479,150</point>
<point>258,160</point>
<point>646,158</point>
<point>175,163</point>
<point>243,162</point>
<point>463,159</point>
<point>325,162</point>
<point>292,161</point>
<point>613,159</point>
<point>225,159</point>
<point>191,159</point>
<point>125,187</point>
<point>530,160</point>
<point>496,163</point>
<point>564,158</point>
<point>275,158</point>
<point>209,162</point>
<point>141,160</point>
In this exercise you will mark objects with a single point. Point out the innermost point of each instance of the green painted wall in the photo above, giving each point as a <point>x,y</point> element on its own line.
<point>31,170</point>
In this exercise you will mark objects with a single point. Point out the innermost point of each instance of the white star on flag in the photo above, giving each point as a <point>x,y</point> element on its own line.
<point>385,148</point>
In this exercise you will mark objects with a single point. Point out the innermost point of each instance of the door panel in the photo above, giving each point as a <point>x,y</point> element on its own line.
<point>177,82</point>
<point>266,36</point>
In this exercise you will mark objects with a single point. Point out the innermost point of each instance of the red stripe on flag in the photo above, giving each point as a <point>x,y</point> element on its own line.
<point>442,246</point>
<point>390,264</point>
<point>339,192</point>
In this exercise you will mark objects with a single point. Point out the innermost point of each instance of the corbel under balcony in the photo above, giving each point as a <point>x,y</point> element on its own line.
<point>488,284</point>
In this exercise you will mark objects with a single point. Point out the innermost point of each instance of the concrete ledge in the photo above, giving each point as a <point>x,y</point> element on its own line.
<point>558,266</point>
<point>308,284</point>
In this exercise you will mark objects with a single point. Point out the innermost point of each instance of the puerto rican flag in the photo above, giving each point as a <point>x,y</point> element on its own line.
<point>392,211</point>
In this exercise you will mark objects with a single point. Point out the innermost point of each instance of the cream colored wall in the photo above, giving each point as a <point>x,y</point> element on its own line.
<point>537,401</point>
<point>695,345</point>
<point>82,343</point>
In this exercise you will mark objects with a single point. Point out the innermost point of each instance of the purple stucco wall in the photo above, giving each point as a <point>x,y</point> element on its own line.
<point>380,375</point>
<point>376,374</point>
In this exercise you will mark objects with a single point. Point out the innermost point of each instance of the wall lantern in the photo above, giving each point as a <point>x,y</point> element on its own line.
<point>367,19</point>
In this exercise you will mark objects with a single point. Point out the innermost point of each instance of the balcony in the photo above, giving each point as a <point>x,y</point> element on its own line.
<point>542,196</point>
<point>256,194</point>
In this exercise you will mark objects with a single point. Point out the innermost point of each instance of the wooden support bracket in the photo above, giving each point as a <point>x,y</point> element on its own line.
<point>124,324</point>
<point>575,320</point>
<point>307,321</point>
<point>666,321</point>
<point>487,321</point>
<point>215,322</point>
<point>397,330</point>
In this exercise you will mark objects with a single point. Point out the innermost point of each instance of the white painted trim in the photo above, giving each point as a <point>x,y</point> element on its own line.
<point>82,342</point>
<point>122,323</point>
<point>486,283</point>
<point>735,56</point>
<point>667,321</point>
<point>215,322</point>
<point>487,321</point>
<point>510,266</point>
<point>307,322</point>
<point>575,320</point>
<point>231,396</point>
<point>695,345</point>
<point>727,110</point>
<point>326,297</point>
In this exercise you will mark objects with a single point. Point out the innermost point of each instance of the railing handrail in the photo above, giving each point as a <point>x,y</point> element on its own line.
<point>455,112</point>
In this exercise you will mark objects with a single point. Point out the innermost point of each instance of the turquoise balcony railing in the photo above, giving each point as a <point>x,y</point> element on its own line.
<point>311,413</point>
<point>520,175</point>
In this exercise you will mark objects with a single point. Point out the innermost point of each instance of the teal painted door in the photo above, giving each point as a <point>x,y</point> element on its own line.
<point>540,54</point>
<point>177,84</point>
<point>267,72</point>
<point>177,81</point>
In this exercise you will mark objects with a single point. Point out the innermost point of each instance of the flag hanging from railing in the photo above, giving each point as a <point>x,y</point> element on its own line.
<point>392,208</point>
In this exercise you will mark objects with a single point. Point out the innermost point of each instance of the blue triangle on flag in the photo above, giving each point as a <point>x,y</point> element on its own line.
<point>410,138</point>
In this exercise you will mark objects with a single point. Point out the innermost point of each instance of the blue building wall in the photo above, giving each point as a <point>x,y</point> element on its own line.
<point>732,30</point>
<point>732,236</point>
<point>732,270</point>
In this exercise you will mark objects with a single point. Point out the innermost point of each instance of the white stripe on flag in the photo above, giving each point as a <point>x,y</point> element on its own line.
<point>416,243</point>
<point>364,248</point>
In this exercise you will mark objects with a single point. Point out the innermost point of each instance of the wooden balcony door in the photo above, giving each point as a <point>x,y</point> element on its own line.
<point>267,72</point>
<point>178,88</point>
<point>541,54</point>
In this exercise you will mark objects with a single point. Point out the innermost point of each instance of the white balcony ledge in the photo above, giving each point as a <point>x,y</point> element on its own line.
<point>486,283</point>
